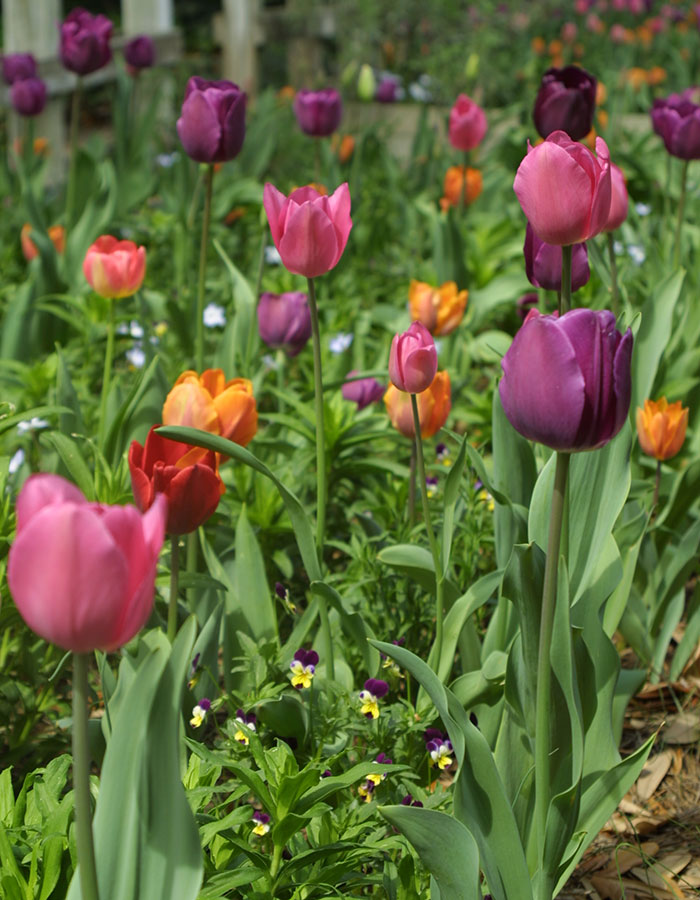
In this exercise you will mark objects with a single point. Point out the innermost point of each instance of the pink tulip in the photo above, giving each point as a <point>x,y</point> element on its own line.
<point>114,268</point>
<point>564,190</point>
<point>310,230</point>
<point>467,124</point>
<point>413,359</point>
<point>82,574</point>
<point>619,200</point>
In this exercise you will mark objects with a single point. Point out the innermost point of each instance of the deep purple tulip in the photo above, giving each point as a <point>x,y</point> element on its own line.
<point>318,112</point>
<point>212,123</point>
<point>17,66</point>
<point>85,41</point>
<point>566,381</point>
<point>565,102</point>
<point>677,120</point>
<point>363,391</point>
<point>387,90</point>
<point>28,96</point>
<point>284,321</point>
<point>526,303</point>
<point>543,263</point>
<point>140,52</point>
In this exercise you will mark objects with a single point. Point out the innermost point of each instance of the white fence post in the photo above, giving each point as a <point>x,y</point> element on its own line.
<point>147,16</point>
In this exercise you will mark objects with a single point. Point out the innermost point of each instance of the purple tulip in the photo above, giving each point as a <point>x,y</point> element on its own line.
<point>318,112</point>
<point>363,391</point>
<point>140,52</point>
<point>565,102</point>
<point>387,90</point>
<point>543,263</point>
<point>28,96</point>
<point>17,66</point>
<point>85,41</point>
<point>284,321</point>
<point>566,381</point>
<point>212,124</point>
<point>677,120</point>
<point>526,303</point>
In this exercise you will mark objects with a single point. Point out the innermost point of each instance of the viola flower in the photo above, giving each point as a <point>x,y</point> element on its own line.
<point>246,721</point>
<point>431,484</point>
<point>409,801</point>
<point>303,668</point>
<point>484,497</point>
<point>283,594</point>
<point>375,777</point>
<point>262,823</point>
<point>374,690</point>
<point>366,791</point>
<point>439,751</point>
<point>443,454</point>
<point>199,712</point>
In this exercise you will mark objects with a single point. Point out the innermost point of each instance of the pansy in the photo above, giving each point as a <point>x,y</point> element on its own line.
<point>484,496</point>
<point>262,823</point>
<point>245,721</point>
<point>440,753</point>
<point>443,454</point>
<point>303,668</point>
<point>366,791</point>
<point>283,593</point>
<point>408,800</point>
<point>374,690</point>
<point>431,485</point>
<point>376,777</point>
<point>199,712</point>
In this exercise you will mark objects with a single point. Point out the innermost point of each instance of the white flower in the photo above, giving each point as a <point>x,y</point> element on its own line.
<point>16,462</point>
<point>166,160</point>
<point>341,342</point>
<point>133,329</point>
<point>618,248</point>
<point>136,356</point>
<point>270,361</point>
<point>272,255</point>
<point>34,424</point>
<point>636,253</point>
<point>419,93</point>
<point>643,209</point>
<point>214,316</point>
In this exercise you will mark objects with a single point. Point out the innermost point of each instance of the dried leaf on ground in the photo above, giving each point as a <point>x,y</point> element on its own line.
<point>683,728</point>
<point>653,774</point>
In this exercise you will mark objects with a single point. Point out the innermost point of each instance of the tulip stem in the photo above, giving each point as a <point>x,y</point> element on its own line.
<point>434,548</point>
<point>174,577</point>
<point>544,674</point>
<point>463,192</point>
<point>106,375</point>
<point>565,304</point>
<point>657,485</point>
<point>613,274</point>
<point>199,341</point>
<point>412,486</point>
<point>681,210</point>
<point>320,473</point>
<point>81,780</point>
<point>73,162</point>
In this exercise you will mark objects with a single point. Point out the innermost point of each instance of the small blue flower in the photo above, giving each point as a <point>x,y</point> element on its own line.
<point>341,342</point>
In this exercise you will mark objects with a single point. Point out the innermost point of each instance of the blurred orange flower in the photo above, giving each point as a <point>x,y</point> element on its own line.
<point>661,427</point>
<point>439,309</point>
<point>453,186</point>
<point>434,406</point>
<point>57,234</point>
<point>538,45</point>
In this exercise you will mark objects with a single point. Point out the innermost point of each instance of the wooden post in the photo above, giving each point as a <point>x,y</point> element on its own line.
<point>147,16</point>
<point>237,33</point>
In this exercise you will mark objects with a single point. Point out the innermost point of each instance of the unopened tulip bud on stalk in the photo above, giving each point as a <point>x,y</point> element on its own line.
<point>318,113</point>
<point>413,359</point>
<point>661,428</point>
<point>467,125</point>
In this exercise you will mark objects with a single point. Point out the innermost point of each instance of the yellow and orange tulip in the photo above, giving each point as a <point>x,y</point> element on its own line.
<point>440,310</point>
<point>661,427</point>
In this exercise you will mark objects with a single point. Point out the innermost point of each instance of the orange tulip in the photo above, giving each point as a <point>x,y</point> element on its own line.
<point>454,189</point>
<point>433,407</point>
<point>661,427</point>
<point>57,233</point>
<point>439,309</point>
<point>209,402</point>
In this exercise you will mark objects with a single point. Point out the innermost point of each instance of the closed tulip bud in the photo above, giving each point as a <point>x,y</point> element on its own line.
<point>284,321</point>
<point>18,66</point>
<point>413,359</point>
<point>565,102</point>
<point>661,427</point>
<point>362,391</point>
<point>309,229</point>
<point>619,202</point>
<point>84,45</point>
<point>454,190</point>
<point>440,310</point>
<point>434,406</point>
<point>28,96</point>
<point>366,83</point>
<point>564,190</point>
<point>467,124</point>
<point>211,126</point>
<point>566,381</point>
<point>677,120</point>
<point>113,268</point>
<point>140,52</point>
<point>82,575</point>
<point>318,112</point>
<point>543,263</point>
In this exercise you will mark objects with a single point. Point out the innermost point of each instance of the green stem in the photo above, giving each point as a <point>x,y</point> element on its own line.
<point>565,304</point>
<point>261,265</point>
<point>174,576</point>
<point>412,486</point>
<point>544,675</point>
<point>81,780</point>
<point>657,485</point>
<point>613,274</point>
<point>463,192</point>
<point>74,133</point>
<point>106,374</point>
<point>681,210</point>
<point>199,341</point>
<point>432,540</point>
<point>276,860</point>
<point>191,563</point>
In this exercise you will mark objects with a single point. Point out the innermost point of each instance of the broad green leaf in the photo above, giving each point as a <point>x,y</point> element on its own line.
<point>452,486</point>
<point>417,563</point>
<point>243,325</point>
<point>73,460</point>
<point>353,625</point>
<point>250,582</point>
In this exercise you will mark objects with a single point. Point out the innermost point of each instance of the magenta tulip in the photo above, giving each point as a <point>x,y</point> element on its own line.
<point>82,574</point>
<point>211,126</point>
<point>140,52</point>
<point>28,96</point>
<point>413,359</point>
<point>619,201</point>
<point>467,124</point>
<point>362,391</point>
<point>543,263</point>
<point>310,230</point>
<point>565,102</point>
<point>564,190</point>
<point>318,112</point>
<point>566,381</point>
<point>84,46</point>
<point>284,321</point>
<point>18,66</point>
<point>677,120</point>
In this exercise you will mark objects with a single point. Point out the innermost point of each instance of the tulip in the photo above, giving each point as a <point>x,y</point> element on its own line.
<point>211,126</point>
<point>467,124</point>
<point>566,381</point>
<point>366,83</point>
<point>564,190</point>
<point>677,120</point>
<point>82,574</point>
<point>18,66</point>
<point>525,303</point>
<point>209,402</point>
<point>387,90</point>
<point>187,476</point>
<point>310,231</point>
<point>565,102</point>
<point>661,428</point>
<point>413,359</point>
<point>543,263</point>
<point>434,406</point>
<point>619,201</point>
<point>454,190</point>
<point>140,52</point>
<point>28,96</point>
<point>440,310</point>
<point>113,268</point>
<point>84,43</point>
<point>284,321</point>
<point>57,235</point>
<point>318,112</point>
<point>362,391</point>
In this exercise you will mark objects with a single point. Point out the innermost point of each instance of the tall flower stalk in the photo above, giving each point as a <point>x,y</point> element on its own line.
<point>203,245</point>
<point>81,780</point>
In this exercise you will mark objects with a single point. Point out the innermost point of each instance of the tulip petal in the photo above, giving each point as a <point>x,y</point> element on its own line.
<point>309,245</point>
<point>274,203</point>
<point>238,415</point>
<point>339,206</point>
<point>198,127</point>
<point>187,404</point>
<point>42,490</point>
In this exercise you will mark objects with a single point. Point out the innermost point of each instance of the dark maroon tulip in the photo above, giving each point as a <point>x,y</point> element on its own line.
<point>543,263</point>
<point>17,66</point>
<point>212,124</point>
<point>565,102</point>
<point>28,96</point>
<point>387,90</point>
<point>85,41</point>
<point>526,303</point>
<point>363,391</point>
<point>318,112</point>
<point>677,120</point>
<point>566,381</point>
<point>140,52</point>
<point>284,321</point>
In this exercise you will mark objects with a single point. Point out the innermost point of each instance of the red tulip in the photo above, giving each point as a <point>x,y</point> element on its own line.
<point>115,268</point>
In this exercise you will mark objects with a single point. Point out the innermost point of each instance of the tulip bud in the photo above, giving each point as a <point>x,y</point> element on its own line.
<point>211,126</point>
<point>543,263</point>
<point>140,52</point>
<point>28,96</point>
<point>467,124</point>
<point>661,427</point>
<point>433,407</point>
<point>318,112</point>
<point>84,46</point>
<point>677,120</point>
<point>565,102</point>
<point>366,83</point>
<point>113,268</point>
<point>454,189</point>
<point>284,321</point>
<point>413,359</point>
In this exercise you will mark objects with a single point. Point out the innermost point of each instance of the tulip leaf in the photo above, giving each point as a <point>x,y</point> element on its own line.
<point>8,422</point>
<point>353,624</point>
<point>241,332</point>
<point>73,460</point>
<point>452,486</point>
<point>250,582</point>
<point>417,563</point>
